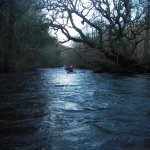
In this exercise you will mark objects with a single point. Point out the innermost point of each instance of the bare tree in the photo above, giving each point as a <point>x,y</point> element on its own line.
<point>118,24</point>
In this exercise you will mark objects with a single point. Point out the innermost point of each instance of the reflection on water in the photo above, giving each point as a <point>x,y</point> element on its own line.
<point>65,79</point>
<point>66,105</point>
<point>49,109</point>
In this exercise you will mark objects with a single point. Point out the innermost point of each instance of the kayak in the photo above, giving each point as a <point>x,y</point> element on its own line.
<point>70,72</point>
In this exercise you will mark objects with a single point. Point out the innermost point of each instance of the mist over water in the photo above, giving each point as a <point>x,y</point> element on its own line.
<point>50,110</point>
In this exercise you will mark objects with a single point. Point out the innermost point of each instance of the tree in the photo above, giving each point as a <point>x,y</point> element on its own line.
<point>118,23</point>
<point>24,30</point>
<point>147,34</point>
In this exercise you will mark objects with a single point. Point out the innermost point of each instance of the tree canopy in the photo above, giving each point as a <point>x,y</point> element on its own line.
<point>117,26</point>
<point>23,31</point>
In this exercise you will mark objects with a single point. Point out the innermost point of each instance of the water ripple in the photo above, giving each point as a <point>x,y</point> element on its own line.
<point>50,110</point>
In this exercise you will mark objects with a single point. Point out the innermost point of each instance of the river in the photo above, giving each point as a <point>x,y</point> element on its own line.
<point>48,109</point>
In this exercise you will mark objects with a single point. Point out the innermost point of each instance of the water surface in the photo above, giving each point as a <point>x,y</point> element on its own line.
<point>50,110</point>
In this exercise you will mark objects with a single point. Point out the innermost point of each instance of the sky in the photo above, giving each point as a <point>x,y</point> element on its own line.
<point>62,37</point>
<point>77,21</point>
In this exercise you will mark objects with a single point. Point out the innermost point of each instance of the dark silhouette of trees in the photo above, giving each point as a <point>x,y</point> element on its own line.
<point>23,31</point>
<point>147,34</point>
<point>118,25</point>
<point>115,27</point>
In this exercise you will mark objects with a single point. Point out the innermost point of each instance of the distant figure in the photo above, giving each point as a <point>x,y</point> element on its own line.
<point>69,69</point>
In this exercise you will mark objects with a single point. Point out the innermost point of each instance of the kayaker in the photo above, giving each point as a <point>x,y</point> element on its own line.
<point>68,68</point>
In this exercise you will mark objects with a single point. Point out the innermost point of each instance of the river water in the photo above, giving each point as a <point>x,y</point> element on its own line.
<point>50,110</point>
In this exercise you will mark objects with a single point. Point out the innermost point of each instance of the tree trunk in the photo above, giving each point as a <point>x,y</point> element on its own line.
<point>147,36</point>
<point>8,51</point>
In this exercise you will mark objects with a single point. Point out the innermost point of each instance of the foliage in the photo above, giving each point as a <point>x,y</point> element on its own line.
<point>119,25</point>
<point>23,31</point>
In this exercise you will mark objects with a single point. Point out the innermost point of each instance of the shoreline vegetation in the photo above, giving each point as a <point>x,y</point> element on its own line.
<point>87,58</point>
<point>53,56</point>
<point>116,42</point>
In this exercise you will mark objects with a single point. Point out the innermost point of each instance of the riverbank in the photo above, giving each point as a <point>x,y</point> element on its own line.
<point>89,58</point>
<point>83,58</point>
<point>137,68</point>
